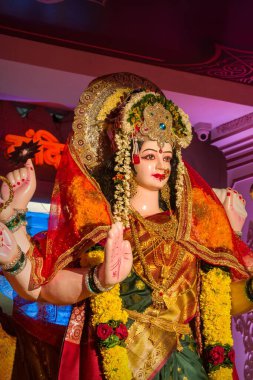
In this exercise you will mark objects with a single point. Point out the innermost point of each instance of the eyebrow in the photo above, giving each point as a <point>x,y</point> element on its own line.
<point>167,151</point>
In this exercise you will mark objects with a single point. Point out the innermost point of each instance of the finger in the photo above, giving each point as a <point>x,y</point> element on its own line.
<point>5,192</point>
<point>242,199</point>
<point>126,247</point>
<point>23,174</point>
<point>16,175</point>
<point>111,232</point>
<point>11,178</point>
<point>119,236</point>
<point>228,199</point>
<point>120,228</point>
<point>30,170</point>
<point>114,230</point>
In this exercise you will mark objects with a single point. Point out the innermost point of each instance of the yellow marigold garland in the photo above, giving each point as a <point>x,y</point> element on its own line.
<point>107,312</point>
<point>215,306</point>
<point>92,258</point>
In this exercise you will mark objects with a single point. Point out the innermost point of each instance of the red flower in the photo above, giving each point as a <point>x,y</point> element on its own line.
<point>104,331</point>
<point>121,331</point>
<point>216,355</point>
<point>231,355</point>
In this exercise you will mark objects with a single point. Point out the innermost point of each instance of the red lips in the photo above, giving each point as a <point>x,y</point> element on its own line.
<point>161,177</point>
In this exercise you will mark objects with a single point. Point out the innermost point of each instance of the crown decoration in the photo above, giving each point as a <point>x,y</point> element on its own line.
<point>103,95</point>
<point>148,114</point>
<point>157,124</point>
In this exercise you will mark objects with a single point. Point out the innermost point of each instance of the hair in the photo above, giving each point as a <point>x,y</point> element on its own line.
<point>104,176</point>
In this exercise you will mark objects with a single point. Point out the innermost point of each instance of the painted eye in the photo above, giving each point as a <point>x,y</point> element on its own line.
<point>167,158</point>
<point>149,157</point>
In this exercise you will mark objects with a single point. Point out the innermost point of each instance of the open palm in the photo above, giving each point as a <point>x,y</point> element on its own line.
<point>118,256</point>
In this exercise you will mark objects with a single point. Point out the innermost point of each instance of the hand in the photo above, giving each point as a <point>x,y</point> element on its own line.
<point>118,257</point>
<point>8,245</point>
<point>23,182</point>
<point>234,205</point>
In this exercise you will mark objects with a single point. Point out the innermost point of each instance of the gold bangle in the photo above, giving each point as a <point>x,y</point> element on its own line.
<point>5,204</point>
<point>98,283</point>
<point>21,210</point>
<point>13,262</point>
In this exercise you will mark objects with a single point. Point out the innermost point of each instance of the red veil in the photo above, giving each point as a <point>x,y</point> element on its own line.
<point>80,215</point>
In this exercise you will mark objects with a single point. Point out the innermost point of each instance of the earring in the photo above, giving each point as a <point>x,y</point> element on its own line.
<point>136,153</point>
<point>133,186</point>
<point>165,194</point>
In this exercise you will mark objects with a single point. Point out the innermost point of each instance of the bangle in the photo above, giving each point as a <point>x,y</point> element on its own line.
<point>87,284</point>
<point>98,283</point>
<point>17,265</point>
<point>4,205</point>
<point>21,210</point>
<point>92,282</point>
<point>13,262</point>
<point>249,289</point>
<point>16,221</point>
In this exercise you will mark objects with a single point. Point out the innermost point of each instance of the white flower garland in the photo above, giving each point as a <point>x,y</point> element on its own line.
<point>122,187</point>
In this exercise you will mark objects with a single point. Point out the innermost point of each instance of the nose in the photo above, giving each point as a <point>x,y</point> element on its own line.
<point>160,163</point>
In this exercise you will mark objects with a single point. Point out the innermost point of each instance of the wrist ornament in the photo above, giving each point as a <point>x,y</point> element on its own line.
<point>16,221</point>
<point>16,265</point>
<point>249,289</point>
<point>21,210</point>
<point>92,282</point>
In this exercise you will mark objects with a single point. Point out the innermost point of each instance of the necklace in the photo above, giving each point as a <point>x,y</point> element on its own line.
<point>159,290</point>
<point>166,230</point>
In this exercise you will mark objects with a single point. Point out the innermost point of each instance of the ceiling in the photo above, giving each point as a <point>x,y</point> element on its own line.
<point>211,38</point>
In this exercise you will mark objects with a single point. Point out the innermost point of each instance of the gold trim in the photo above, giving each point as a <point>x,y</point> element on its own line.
<point>87,129</point>
<point>216,258</point>
<point>185,211</point>
<point>172,327</point>
<point>98,234</point>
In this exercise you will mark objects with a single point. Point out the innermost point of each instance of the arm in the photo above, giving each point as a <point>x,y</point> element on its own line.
<point>69,286</point>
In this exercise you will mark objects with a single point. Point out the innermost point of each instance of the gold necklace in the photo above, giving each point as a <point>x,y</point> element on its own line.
<point>158,289</point>
<point>167,230</point>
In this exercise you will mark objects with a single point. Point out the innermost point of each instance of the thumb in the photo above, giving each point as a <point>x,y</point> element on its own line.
<point>5,190</point>
<point>228,203</point>
<point>30,170</point>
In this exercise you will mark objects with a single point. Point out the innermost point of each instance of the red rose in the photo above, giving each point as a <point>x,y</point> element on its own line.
<point>216,355</point>
<point>121,331</point>
<point>104,331</point>
<point>231,355</point>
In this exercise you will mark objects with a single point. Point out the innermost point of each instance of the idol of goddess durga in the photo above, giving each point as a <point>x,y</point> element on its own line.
<point>137,241</point>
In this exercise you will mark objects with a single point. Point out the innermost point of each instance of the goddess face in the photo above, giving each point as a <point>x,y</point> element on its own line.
<point>154,167</point>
